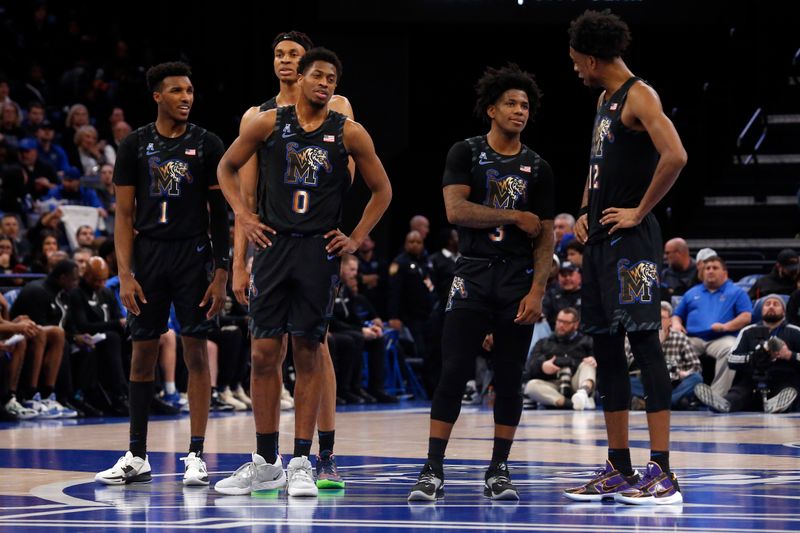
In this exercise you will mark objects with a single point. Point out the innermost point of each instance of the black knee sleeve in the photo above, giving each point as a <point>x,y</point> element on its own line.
<point>612,372</point>
<point>655,376</point>
<point>511,343</point>
<point>461,340</point>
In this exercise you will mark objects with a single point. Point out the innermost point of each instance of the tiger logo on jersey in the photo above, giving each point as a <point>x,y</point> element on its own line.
<point>165,178</point>
<point>602,131</point>
<point>303,165</point>
<point>505,192</point>
<point>457,289</point>
<point>636,283</point>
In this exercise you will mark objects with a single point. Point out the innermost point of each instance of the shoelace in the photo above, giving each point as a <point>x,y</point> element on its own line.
<point>196,462</point>
<point>645,480</point>
<point>327,466</point>
<point>427,476</point>
<point>249,467</point>
<point>301,472</point>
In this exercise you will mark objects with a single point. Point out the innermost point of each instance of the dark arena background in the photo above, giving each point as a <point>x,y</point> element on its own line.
<point>728,75</point>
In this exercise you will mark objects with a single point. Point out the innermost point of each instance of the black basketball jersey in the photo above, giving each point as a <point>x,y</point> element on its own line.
<point>303,176</point>
<point>172,177</point>
<point>621,162</point>
<point>523,182</point>
<point>272,103</point>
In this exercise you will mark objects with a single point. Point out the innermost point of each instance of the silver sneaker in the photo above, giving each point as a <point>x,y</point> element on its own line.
<point>252,477</point>
<point>710,398</point>
<point>301,477</point>
<point>781,401</point>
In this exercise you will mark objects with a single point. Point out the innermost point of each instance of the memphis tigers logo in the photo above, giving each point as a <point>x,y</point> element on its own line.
<point>505,192</point>
<point>457,289</point>
<point>304,165</point>
<point>636,283</point>
<point>165,178</point>
<point>602,131</point>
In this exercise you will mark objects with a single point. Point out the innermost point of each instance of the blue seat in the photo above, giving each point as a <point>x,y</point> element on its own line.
<point>760,303</point>
<point>400,378</point>
<point>748,281</point>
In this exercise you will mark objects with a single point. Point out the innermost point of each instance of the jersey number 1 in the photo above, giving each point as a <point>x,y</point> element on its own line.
<point>163,218</point>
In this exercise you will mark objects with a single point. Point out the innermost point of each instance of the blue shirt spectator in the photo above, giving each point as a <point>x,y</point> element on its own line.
<point>705,310</point>
<point>72,192</point>
<point>49,152</point>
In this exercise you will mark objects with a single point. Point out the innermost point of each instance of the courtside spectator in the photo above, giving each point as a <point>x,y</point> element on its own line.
<point>782,279</point>
<point>566,294</point>
<point>681,272</point>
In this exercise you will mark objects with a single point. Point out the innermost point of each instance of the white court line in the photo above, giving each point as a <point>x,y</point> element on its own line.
<point>54,492</point>
<point>405,524</point>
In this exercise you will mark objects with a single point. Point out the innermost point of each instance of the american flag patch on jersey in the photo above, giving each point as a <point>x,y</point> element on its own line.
<point>525,168</point>
<point>613,107</point>
<point>190,151</point>
<point>328,138</point>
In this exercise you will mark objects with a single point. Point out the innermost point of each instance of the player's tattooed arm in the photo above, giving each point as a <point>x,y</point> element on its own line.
<point>361,148</point>
<point>238,154</point>
<point>530,308</point>
<point>462,212</point>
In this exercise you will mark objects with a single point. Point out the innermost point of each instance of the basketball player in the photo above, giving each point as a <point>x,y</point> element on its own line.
<point>288,48</point>
<point>303,159</point>
<point>166,174</point>
<point>636,156</point>
<point>500,195</point>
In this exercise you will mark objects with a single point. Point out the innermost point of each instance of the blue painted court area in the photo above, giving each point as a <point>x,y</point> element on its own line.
<point>717,500</point>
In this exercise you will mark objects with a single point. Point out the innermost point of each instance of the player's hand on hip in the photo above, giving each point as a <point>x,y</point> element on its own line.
<point>582,228</point>
<point>340,243</point>
<point>620,218</point>
<point>215,293</point>
<point>129,291</point>
<point>239,285</point>
<point>255,230</point>
<point>529,223</point>
<point>530,309</point>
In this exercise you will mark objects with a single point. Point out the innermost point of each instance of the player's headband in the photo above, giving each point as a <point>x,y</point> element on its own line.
<point>300,38</point>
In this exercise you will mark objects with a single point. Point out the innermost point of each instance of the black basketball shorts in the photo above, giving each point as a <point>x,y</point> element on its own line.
<point>292,288</point>
<point>620,288</point>
<point>171,273</point>
<point>495,286</point>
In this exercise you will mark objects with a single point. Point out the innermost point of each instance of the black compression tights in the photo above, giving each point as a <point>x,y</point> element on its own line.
<point>462,337</point>
<point>612,370</point>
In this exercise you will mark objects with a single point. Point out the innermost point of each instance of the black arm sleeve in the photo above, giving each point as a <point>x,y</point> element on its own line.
<point>543,198</point>
<point>220,232</point>
<point>217,207</point>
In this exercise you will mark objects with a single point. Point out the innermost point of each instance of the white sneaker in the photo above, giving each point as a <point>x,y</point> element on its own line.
<point>16,409</point>
<point>63,412</point>
<point>781,401</point>
<point>195,472</point>
<point>301,477</point>
<point>253,476</point>
<point>579,400</point>
<point>43,410</point>
<point>226,396</point>
<point>242,396</point>
<point>129,469</point>
<point>287,402</point>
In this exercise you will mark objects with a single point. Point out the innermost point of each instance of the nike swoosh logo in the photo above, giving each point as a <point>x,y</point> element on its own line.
<point>605,487</point>
<point>287,135</point>
<point>529,271</point>
<point>331,257</point>
<point>148,152</point>
<point>615,241</point>
<point>201,247</point>
<point>485,162</point>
